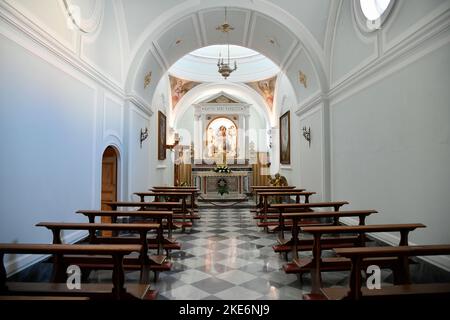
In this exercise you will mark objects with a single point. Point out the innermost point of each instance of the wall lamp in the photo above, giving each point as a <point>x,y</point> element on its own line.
<point>307,135</point>
<point>144,135</point>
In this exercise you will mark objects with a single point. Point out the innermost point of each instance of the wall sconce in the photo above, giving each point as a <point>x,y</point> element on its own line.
<point>307,135</point>
<point>144,135</point>
<point>176,142</point>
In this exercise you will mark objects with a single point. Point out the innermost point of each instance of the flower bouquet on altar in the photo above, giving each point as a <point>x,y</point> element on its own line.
<point>222,169</point>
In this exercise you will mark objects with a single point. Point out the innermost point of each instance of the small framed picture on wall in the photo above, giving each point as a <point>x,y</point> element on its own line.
<point>162,128</point>
<point>285,138</point>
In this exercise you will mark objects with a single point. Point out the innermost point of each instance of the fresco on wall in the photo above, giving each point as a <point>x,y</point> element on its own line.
<point>179,87</point>
<point>266,88</point>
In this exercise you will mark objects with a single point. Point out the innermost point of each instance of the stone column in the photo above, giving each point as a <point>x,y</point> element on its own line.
<point>241,140</point>
<point>247,138</point>
<point>198,145</point>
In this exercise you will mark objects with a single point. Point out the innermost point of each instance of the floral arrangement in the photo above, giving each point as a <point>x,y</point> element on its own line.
<point>222,187</point>
<point>222,169</point>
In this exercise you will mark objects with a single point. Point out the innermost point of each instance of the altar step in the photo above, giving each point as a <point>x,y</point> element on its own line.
<point>230,202</point>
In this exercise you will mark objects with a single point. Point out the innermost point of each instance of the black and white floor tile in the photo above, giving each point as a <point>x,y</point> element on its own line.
<point>225,256</point>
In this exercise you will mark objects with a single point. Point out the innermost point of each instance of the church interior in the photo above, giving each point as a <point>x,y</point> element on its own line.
<point>224,150</point>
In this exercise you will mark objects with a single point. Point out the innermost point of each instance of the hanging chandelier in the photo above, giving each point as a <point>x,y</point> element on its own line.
<point>224,65</point>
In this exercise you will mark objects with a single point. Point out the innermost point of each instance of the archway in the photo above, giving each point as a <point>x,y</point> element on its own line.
<point>148,51</point>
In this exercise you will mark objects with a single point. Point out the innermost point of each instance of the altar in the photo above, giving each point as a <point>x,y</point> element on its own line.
<point>237,183</point>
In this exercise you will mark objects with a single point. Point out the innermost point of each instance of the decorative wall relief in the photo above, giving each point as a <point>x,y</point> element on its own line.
<point>303,79</point>
<point>266,88</point>
<point>179,87</point>
<point>147,79</point>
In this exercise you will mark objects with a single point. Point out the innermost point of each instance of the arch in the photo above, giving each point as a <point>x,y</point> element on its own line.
<point>206,90</point>
<point>221,117</point>
<point>280,16</point>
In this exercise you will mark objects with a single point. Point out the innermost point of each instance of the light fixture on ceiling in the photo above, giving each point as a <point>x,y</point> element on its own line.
<point>224,65</point>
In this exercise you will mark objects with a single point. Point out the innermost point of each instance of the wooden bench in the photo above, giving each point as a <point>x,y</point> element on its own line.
<point>263,213</point>
<point>117,290</point>
<point>152,206</point>
<point>42,298</point>
<point>256,189</point>
<point>144,263</point>
<point>181,196</point>
<point>193,191</point>
<point>304,219</point>
<point>164,218</point>
<point>403,290</point>
<point>282,208</point>
<point>317,264</point>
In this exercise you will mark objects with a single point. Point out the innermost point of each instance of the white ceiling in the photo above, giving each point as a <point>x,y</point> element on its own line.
<point>201,65</point>
<point>139,14</point>
<point>252,30</point>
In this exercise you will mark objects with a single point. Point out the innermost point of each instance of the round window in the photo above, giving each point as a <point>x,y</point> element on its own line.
<point>374,9</point>
<point>371,14</point>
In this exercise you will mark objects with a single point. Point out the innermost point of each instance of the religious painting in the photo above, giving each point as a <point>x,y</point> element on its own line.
<point>162,127</point>
<point>221,143</point>
<point>285,138</point>
<point>179,87</point>
<point>266,88</point>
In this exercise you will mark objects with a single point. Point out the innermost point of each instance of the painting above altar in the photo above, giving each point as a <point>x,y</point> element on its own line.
<point>221,141</point>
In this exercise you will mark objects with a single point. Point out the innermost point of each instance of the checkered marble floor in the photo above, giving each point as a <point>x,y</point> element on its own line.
<point>225,256</point>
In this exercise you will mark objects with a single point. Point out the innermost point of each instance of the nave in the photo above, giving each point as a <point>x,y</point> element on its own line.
<point>206,149</point>
<point>226,256</point>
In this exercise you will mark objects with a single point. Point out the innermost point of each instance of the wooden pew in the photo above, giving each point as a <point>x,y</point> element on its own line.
<point>263,213</point>
<point>161,217</point>
<point>316,265</point>
<point>405,290</point>
<point>176,187</point>
<point>152,206</point>
<point>181,196</point>
<point>282,208</point>
<point>193,191</point>
<point>256,189</point>
<point>304,219</point>
<point>144,263</point>
<point>117,290</point>
<point>42,298</point>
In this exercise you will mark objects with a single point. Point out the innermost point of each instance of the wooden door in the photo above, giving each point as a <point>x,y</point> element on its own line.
<point>109,182</point>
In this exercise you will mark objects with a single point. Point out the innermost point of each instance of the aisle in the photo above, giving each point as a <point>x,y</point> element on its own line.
<point>224,256</point>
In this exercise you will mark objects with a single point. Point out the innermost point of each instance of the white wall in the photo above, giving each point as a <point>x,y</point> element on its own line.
<point>389,119</point>
<point>140,157</point>
<point>391,151</point>
<point>161,171</point>
<point>46,159</point>
<point>56,119</point>
<point>311,155</point>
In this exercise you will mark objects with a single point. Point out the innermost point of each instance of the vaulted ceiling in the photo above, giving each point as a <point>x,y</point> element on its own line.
<point>129,39</point>
<point>162,32</point>
<point>140,14</point>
